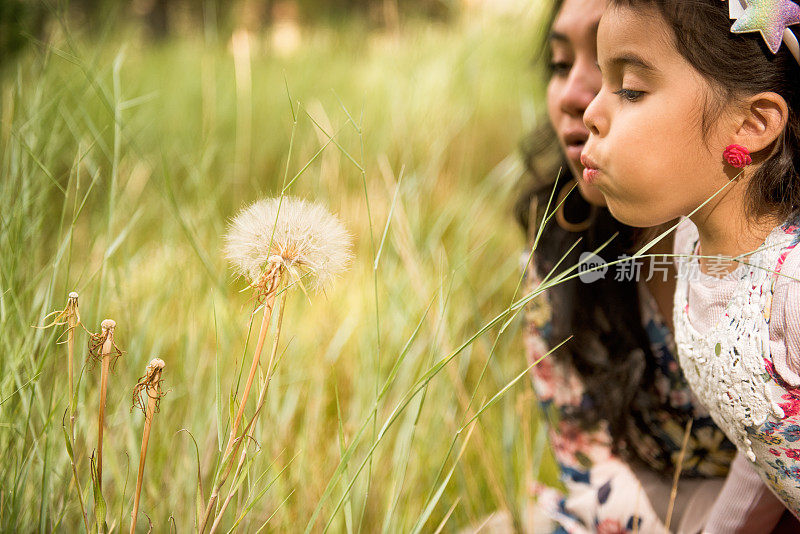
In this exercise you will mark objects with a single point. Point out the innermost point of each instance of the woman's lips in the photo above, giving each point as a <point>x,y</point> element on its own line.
<point>590,169</point>
<point>574,139</point>
<point>573,151</point>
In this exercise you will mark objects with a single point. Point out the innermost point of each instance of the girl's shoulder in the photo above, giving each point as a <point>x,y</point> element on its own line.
<point>784,316</point>
<point>786,289</point>
<point>787,270</point>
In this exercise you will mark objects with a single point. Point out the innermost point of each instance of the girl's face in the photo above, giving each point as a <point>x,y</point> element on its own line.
<point>648,153</point>
<point>575,80</point>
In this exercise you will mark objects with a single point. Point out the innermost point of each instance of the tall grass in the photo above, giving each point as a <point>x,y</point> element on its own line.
<point>121,163</point>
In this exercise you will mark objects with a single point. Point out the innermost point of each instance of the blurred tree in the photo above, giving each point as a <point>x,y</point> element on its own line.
<point>19,21</point>
<point>22,19</point>
<point>157,19</point>
<point>380,11</point>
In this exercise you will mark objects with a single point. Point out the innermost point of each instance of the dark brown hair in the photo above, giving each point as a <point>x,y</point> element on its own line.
<point>609,349</point>
<point>736,66</point>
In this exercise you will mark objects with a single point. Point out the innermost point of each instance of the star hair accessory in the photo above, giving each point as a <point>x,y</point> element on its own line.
<point>771,18</point>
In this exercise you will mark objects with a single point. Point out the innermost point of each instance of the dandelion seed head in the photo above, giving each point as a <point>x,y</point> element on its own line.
<point>73,295</point>
<point>108,324</point>
<point>303,237</point>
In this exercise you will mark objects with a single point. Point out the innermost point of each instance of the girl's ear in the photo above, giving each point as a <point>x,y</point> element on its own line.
<point>764,117</point>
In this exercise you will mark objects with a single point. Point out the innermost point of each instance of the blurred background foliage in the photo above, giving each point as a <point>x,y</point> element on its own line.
<point>130,132</point>
<point>21,20</point>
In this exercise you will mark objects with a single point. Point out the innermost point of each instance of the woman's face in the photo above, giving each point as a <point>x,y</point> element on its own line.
<point>575,80</point>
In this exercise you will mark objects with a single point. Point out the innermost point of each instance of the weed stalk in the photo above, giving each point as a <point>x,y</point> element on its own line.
<point>150,384</point>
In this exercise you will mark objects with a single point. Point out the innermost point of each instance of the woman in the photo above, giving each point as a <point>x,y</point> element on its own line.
<point>618,407</point>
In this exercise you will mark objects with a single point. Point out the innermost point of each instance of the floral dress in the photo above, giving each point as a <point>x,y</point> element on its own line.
<point>601,491</point>
<point>731,369</point>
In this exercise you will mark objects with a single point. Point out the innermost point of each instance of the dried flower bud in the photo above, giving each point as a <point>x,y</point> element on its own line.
<point>149,384</point>
<point>98,341</point>
<point>62,317</point>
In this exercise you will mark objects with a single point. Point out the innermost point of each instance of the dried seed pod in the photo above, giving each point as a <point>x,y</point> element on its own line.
<point>63,317</point>
<point>98,342</point>
<point>108,354</point>
<point>149,386</point>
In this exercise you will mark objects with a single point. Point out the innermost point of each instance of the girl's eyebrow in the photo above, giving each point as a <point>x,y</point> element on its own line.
<point>631,60</point>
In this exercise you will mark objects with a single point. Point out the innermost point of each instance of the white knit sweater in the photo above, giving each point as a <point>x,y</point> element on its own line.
<point>745,503</point>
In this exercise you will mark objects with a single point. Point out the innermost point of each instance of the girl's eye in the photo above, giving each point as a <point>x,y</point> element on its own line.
<point>629,94</point>
<point>560,68</point>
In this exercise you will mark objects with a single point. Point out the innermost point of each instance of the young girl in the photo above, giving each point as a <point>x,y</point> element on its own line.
<point>689,111</point>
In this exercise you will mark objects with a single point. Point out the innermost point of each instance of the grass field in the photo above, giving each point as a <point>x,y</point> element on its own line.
<point>123,160</point>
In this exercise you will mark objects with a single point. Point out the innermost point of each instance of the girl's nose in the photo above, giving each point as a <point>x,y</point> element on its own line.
<point>593,118</point>
<point>582,84</point>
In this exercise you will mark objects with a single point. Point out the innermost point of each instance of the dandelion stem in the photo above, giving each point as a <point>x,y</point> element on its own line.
<point>262,397</point>
<point>72,323</point>
<point>153,389</point>
<point>73,318</point>
<point>78,485</point>
<point>232,440</point>
<point>107,328</point>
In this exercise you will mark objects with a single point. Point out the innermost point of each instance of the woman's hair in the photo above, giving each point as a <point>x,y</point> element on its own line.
<point>609,348</point>
<point>736,66</point>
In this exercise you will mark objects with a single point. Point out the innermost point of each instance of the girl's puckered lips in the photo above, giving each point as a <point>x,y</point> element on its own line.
<point>590,169</point>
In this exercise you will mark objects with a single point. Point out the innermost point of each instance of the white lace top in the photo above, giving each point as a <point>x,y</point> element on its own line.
<point>730,366</point>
